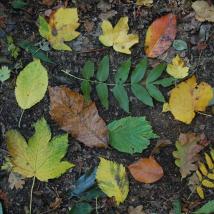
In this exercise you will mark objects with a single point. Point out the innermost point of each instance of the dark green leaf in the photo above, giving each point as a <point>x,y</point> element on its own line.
<point>103,69</point>
<point>155,73</point>
<point>212,101</point>
<point>141,93</point>
<point>123,72</point>
<point>139,71</point>
<point>81,208</point>
<point>130,134</point>
<point>37,53</point>
<point>91,194</point>
<point>19,4</point>
<point>121,96</point>
<point>102,92</point>
<point>177,207</point>
<point>166,82</point>
<point>155,92</point>
<point>208,208</point>
<point>179,45</point>
<point>88,70</point>
<point>86,90</point>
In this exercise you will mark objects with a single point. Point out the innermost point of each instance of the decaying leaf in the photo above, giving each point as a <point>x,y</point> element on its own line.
<point>61,27</point>
<point>41,156</point>
<point>187,98</point>
<point>147,3</point>
<point>82,120</point>
<point>16,180</point>
<point>146,170</point>
<point>177,69</point>
<point>160,144</point>
<point>112,180</point>
<point>160,35</point>
<point>136,210</point>
<point>187,154</point>
<point>204,11</point>
<point>118,36</point>
<point>48,2</point>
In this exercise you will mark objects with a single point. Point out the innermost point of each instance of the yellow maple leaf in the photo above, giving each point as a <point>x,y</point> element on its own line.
<point>61,27</point>
<point>177,68</point>
<point>147,3</point>
<point>187,98</point>
<point>118,36</point>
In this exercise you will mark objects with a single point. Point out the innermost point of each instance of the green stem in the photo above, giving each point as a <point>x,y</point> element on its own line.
<point>31,195</point>
<point>20,119</point>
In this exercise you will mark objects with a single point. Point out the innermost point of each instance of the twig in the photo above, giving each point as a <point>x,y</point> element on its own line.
<point>20,119</point>
<point>31,195</point>
<point>208,115</point>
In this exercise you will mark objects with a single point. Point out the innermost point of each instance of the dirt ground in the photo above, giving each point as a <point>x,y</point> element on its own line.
<point>155,198</point>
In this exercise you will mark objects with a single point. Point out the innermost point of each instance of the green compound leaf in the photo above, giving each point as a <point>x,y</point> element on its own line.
<point>81,208</point>
<point>155,73</point>
<point>103,69</point>
<point>130,134</point>
<point>141,93</point>
<point>155,92</point>
<point>102,92</point>
<point>139,72</point>
<point>208,208</point>
<point>123,72</point>
<point>121,96</point>
<point>86,90</point>
<point>88,70</point>
<point>166,82</point>
<point>31,84</point>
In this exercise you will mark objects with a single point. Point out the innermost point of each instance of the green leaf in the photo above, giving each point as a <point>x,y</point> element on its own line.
<point>121,96</point>
<point>155,92</point>
<point>102,92</point>
<point>208,208</point>
<point>31,84</point>
<point>91,194</point>
<point>35,51</point>
<point>4,73</point>
<point>19,4</point>
<point>88,70</point>
<point>155,73</point>
<point>86,90</point>
<point>81,208</point>
<point>123,72</point>
<point>179,45</point>
<point>130,134</point>
<point>139,71</point>
<point>166,82</point>
<point>212,101</point>
<point>141,93</point>
<point>44,28</point>
<point>103,69</point>
<point>177,207</point>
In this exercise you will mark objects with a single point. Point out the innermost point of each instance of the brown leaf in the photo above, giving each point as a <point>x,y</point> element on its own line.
<point>88,26</point>
<point>136,210</point>
<point>160,144</point>
<point>48,2</point>
<point>146,170</point>
<point>67,108</point>
<point>56,204</point>
<point>16,180</point>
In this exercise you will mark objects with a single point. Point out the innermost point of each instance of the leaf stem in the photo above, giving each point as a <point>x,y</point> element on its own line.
<point>31,195</point>
<point>20,119</point>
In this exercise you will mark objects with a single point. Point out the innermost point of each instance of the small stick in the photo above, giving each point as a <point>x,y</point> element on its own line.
<point>31,195</point>
<point>208,115</point>
<point>20,119</point>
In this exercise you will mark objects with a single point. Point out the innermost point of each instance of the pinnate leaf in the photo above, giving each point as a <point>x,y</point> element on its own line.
<point>123,72</point>
<point>102,92</point>
<point>139,71</point>
<point>88,70</point>
<point>155,92</point>
<point>166,82</point>
<point>103,69</point>
<point>86,90</point>
<point>155,73</point>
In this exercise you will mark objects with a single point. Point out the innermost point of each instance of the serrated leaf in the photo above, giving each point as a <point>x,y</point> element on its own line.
<point>41,156</point>
<point>166,82</point>
<point>130,134</point>
<point>207,208</point>
<point>139,71</point>
<point>112,180</point>
<point>31,84</point>
<point>177,206</point>
<point>81,208</point>
<point>86,90</point>
<point>142,94</point>
<point>155,92</point>
<point>121,96</point>
<point>200,192</point>
<point>88,70</point>
<point>207,183</point>
<point>123,72</point>
<point>102,92</point>
<point>103,69</point>
<point>179,45</point>
<point>155,73</point>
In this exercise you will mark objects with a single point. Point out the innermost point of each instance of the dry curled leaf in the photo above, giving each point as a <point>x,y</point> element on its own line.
<point>136,210</point>
<point>16,180</point>
<point>68,109</point>
<point>160,144</point>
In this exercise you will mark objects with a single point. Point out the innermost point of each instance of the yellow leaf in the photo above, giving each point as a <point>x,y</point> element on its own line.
<point>40,157</point>
<point>118,36</point>
<point>199,175</point>
<point>61,28</point>
<point>210,176</point>
<point>165,107</point>
<point>147,3</point>
<point>187,98</point>
<point>200,192</point>
<point>203,169</point>
<point>177,68</point>
<point>209,161</point>
<point>208,183</point>
<point>112,180</point>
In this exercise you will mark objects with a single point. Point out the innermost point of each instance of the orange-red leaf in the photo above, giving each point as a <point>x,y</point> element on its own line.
<point>146,170</point>
<point>68,109</point>
<point>160,35</point>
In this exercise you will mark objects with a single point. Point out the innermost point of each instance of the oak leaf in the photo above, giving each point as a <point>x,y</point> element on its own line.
<point>81,120</point>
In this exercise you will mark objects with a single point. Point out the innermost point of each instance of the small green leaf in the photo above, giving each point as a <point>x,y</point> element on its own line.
<point>86,90</point>
<point>166,82</point>
<point>44,28</point>
<point>212,101</point>
<point>91,194</point>
<point>123,72</point>
<point>81,208</point>
<point>208,208</point>
<point>177,206</point>
<point>88,70</point>
<point>121,96</point>
<point>139,72</point>
<point>141,93</point>
<point>103,69</point>
<point>179,45</point>
<point>155,92</point>
<point>102,92</point>
<point>4,73</point>
<point>18,4</point>
<point>155,73</point>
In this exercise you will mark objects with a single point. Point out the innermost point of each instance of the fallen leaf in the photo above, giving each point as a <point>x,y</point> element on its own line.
<point>136,210</point>
<point>88,26</point>
<point>48,2</point>
<point>187,98</point>
<point>147,3</point>
<point>81,208</point>
<point>56,204</point>
<point>61,27</point>
<point>179,45</point>
<point>40,157</point>
<point>160,35</point>
<point>107,15</point>
<point>146,170</point>
<point>82,121</point>
<point>177,69</point>
<point>204,11</point>
<point>207,208</point>
<point>104,6</point>
<point>4,73</point>
<point>16,180</point>
<point>160,144</point>
<point>112,180</point>
<point>118,36</point>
